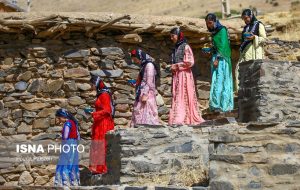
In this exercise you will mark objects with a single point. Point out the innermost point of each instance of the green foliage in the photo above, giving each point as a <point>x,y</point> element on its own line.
<point>235,12</point>
<point>218,14</point>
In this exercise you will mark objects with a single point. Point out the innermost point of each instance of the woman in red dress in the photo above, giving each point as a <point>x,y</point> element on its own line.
<point>103,122</point>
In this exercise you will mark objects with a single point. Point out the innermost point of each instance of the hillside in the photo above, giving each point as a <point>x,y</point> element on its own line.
<point>190,8</point>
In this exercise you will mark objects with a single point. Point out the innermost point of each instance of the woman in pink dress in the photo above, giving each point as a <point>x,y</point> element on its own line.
<point>185,108</point>
<point>145,108</point>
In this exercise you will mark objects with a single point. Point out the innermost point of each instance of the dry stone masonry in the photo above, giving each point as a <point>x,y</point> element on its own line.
<point>269,91</point>
<point>49,67</point>
<point>164,155</point>
<point>46,61</point>
<point>255,156</point>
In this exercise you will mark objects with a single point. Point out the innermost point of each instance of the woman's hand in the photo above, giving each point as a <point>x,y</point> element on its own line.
<point>207,54</point>
<point>88,110</point>
<point>144,99</point>
<point>174,67</point>
<point>132,84</point>
<point>187,64</point>
<point>251,37</point>
<point>216,63</point>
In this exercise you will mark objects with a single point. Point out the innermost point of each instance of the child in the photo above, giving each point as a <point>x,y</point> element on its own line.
<point>67,169</point>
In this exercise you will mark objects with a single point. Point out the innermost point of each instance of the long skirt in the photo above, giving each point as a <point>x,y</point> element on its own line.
<point>67,169</point>
<point>185,108</point>
<point>221,91</point>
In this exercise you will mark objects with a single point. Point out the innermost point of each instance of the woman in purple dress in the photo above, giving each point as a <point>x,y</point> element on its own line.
<point>145,108</point>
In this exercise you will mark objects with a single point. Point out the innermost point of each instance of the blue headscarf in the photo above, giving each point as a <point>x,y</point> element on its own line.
<point>252,27</point>
<point>66,114</point>
<point>249,12</point>
<point>217,25</point>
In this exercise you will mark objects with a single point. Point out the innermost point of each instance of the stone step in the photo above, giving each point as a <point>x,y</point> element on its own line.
<point>220,115</point>
<point>109,187</point>
<point>217,122</point>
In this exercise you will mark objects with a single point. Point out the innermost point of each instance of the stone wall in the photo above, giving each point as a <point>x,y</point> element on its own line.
<point>282,50</point>
<point>163,155</point>
<point>216,156</point>
<point>269,91</point>
<point>256,156</point>
<point>231,155</point>
<point>38,76</point>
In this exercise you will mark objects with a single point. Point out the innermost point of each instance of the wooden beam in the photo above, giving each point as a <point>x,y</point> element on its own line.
<point>52,30</point>
<point>8,29</point>
<point>144,29</point>
<point>106,25</point>
<point>30,22</point>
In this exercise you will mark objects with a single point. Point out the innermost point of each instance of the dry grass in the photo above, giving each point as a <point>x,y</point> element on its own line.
<point>190,8</point>
<point>290,21</point>
<point>187,176</point>
<point>151,180</point>
<point>290,34</point>
<point>191,177</point>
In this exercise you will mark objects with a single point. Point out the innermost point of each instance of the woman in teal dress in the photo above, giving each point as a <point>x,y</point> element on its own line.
<point>221,92</point>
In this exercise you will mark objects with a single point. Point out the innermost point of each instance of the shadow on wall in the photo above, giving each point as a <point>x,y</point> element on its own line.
<point>113,160</point>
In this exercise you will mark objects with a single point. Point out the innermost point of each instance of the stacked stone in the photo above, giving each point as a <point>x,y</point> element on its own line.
<point>255,156</point>
<point>269,91</point>
<point>38,76</point>
<point>281,50</point>
<point>163,155</point>
<point>229,156</point>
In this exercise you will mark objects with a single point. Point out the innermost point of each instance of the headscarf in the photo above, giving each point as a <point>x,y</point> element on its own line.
<point>249,12</point>
<point>217,25</point>
<point>220,40</point>
<point>100,86</point>
<point>145,59</point>
<point>66,114</point>
<point>181,39</point>
<point>252,27</point>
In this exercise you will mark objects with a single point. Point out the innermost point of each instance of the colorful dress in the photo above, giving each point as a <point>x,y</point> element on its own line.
<point>146,113</point>
<point>103,122</point>
<point>185,108</point>
<point>221,91</point>
<point>251,50</point>
<point>67,169</point>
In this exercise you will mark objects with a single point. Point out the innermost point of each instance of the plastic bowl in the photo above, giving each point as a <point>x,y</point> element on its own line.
<point>132,81</point>
<point>206,49</point>
<point>88,110</point>
<point>246,35</point>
